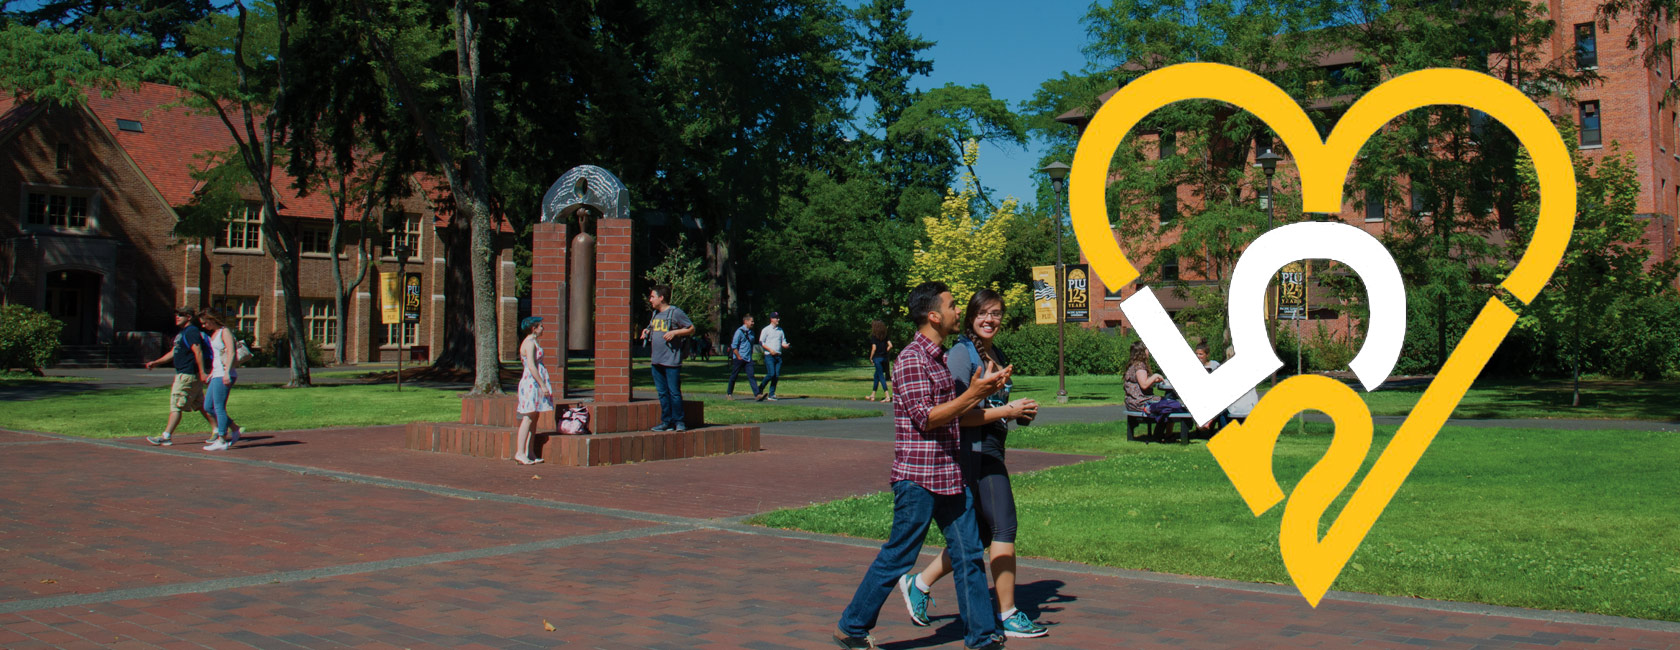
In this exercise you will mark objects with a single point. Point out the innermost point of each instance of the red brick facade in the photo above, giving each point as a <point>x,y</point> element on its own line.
<point>1630,119</point>
<point>125,162</point>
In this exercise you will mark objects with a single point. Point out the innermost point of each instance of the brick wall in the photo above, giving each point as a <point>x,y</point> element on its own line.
<point>613,329</point>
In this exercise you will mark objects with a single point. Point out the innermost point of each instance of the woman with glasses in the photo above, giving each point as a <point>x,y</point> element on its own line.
<point>983,469</point>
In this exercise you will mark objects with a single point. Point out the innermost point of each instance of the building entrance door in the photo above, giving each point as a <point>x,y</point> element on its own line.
<point>73,299</point>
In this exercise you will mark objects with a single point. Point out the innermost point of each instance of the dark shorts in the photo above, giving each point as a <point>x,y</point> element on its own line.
<point>994,503</point>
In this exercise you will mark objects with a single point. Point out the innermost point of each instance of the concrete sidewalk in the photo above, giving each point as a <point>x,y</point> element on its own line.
<point>339,538</point>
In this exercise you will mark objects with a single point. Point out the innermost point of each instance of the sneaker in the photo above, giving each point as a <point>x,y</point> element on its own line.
<point>915,600</point>
<point>854,642</point>
<point>773,398</point>
<point>161,441</point>
<point>682,426</point>
<point>217,445</point>
<point>662,427</point>
<point>233,437</point>
<point>995,644</point>
<point>1020,627</point>
<point>760,397</point>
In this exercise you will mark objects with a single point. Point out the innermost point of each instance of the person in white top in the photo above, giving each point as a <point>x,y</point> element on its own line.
<point>774,342</point>
<point>222,378</point>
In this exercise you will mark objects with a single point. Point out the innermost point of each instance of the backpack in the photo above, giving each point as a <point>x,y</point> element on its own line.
<point>974,358</point>
<point>575,421</point>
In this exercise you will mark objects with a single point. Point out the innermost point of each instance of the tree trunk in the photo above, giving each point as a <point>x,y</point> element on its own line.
<point>488,364</point>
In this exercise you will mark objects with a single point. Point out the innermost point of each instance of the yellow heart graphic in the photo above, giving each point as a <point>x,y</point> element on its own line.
<point>1244,451</point>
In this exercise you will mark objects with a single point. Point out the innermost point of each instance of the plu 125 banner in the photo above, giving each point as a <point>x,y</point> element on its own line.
<point>1244,451</point>
<point>1077,308</point>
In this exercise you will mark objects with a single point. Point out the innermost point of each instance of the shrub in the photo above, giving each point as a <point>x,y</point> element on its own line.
<point>1032,349</point>
<point>28,338</point>
<point>278,352</point>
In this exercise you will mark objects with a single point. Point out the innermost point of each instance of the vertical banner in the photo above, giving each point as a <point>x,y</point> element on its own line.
<point>1044,294</point>
<point>411,298</point>
<point>1292,291</point>
<point>1078,305</point>
<point>390,305</point>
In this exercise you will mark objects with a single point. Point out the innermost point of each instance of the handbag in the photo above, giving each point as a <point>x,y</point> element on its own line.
<point>241,353</point>
<point>575,421</point>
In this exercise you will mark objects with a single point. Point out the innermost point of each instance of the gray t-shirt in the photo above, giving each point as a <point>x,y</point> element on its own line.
<point>667,353</point>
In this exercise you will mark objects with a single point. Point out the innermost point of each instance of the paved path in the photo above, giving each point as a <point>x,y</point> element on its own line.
<point>339,539</point>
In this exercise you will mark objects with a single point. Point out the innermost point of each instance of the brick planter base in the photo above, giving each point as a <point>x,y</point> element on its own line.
<point>584,451</point>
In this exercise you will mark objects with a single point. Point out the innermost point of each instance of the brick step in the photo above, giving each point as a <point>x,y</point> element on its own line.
<point>584,451</point>
<point>604,417</point>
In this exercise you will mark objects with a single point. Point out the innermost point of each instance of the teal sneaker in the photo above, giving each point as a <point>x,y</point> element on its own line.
<point>916,600</point>
<point>1020,627</point>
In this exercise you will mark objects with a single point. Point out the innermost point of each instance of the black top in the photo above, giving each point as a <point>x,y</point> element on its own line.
<point>880,346</point>
<point>989,439</point>
<point>184,363</point>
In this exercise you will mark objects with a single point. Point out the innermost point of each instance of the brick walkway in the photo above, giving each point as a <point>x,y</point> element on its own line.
<point>339,539</point>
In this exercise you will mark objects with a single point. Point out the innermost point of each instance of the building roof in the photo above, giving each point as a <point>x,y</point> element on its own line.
<point>173,139</point>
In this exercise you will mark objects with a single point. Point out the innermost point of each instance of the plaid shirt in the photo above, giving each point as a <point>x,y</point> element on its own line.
<point>929,457</point>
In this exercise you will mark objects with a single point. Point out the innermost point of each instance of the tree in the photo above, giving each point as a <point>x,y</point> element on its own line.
<point>890,57</point>
<point>691,289</point>
<point>1604,265</point>
<point>1650,18</point>
<point>964,252</point>
<point>946,119</point>
<point>230,66</point>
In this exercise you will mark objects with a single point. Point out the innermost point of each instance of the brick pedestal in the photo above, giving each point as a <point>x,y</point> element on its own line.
<point>613,328</point>
<point>548,282</point>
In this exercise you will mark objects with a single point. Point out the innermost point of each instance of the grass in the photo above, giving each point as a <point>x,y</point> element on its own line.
<point>23,379</point>
<point>1571,520</point>
<point>1601,399</point>
<point>142,411</point>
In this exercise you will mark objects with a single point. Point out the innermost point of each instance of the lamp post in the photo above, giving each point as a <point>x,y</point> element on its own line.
<point>402,251</point>
<point>1267,161</point>
<point>1058,171</point>
<point>226,269</point>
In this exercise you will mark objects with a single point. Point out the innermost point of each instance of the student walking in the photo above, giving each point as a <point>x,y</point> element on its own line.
<point>880,349</point>
<point>774,342</point>
<point>983,468</point>
<point>190,353</point>
<point>926,478</point>
<point>666,334</point>
<point>223,348</point>
<point>536,395</point>
<point>741,357</point>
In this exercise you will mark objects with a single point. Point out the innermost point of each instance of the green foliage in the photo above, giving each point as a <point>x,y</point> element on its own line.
<point>277,353</point>
<point>964,251</point>
<point>1321,350</point>
<point>691,290</point>
<point>28,338</point>
<point>1089,351</point>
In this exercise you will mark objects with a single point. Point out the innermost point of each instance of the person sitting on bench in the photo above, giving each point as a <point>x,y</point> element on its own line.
<point>1139,381</point>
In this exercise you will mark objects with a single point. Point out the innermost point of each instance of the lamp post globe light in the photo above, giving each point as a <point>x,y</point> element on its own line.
<point>1267,161</point>
<point>1058,171</point>
<point>402,251</point>
<point>226,269</point>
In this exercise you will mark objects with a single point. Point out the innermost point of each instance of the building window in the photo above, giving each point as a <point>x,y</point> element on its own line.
<point>1420,200</point>
<point>133,126</point>
<point>1586,45</point>
<point>1590,134</point>
<point>241,313</point>
<point>320,317</point>
<point>315,240</point>
<point>58,211</point>
<point>407,232</point>
<point>410,334</point>
<point>1167,208</point>
<point>243,231</point>
<point>1374,208</point>
<point>63,156</point>
<point>1169,268</point>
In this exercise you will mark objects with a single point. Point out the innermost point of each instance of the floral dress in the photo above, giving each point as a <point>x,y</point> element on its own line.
<point>531,396</point>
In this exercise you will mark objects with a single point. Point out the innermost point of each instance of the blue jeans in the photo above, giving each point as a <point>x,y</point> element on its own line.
<point>913,507</point>
<point>880,375</point>
<point>215,403</point>
<point>735,368</point>
<point>668,383</point>
<point>772,372</point>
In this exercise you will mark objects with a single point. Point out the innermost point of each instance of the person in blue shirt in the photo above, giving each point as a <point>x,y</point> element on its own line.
<point>741,357</point>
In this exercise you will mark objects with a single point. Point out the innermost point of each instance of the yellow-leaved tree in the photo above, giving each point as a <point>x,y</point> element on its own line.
<point>962,250</point>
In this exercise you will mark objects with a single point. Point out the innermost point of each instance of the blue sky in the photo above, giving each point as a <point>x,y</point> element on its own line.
<point>1011,47</point>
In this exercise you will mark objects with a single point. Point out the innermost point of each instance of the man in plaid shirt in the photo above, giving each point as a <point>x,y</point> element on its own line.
<point>926,479</point>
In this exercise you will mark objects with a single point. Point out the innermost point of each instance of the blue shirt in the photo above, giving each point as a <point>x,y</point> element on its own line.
<point>743,343</point>
<point>189,338</point>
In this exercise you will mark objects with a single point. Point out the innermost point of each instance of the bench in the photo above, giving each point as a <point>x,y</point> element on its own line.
<point>1186,423</point>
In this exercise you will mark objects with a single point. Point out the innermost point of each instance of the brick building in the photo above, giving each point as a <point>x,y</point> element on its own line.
<point>88,199</point>
<point>1623,108</point>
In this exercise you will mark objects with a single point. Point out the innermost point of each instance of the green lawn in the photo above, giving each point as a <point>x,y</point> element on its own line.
<point>142,411</point>
<point>1571,520</point>
<point>22,379</point>
<point>1601,399</point>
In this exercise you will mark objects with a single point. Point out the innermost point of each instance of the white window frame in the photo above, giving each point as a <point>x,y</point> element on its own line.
<point>249,223</point>
<point>408,234</point>
<point>412,338</point>
<point>91,206</point>
<point>320,317</point>
<point>238,318</point>
<point>309,232</point>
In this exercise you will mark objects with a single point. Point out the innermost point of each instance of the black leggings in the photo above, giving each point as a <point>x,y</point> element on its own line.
<point>994,503</point>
